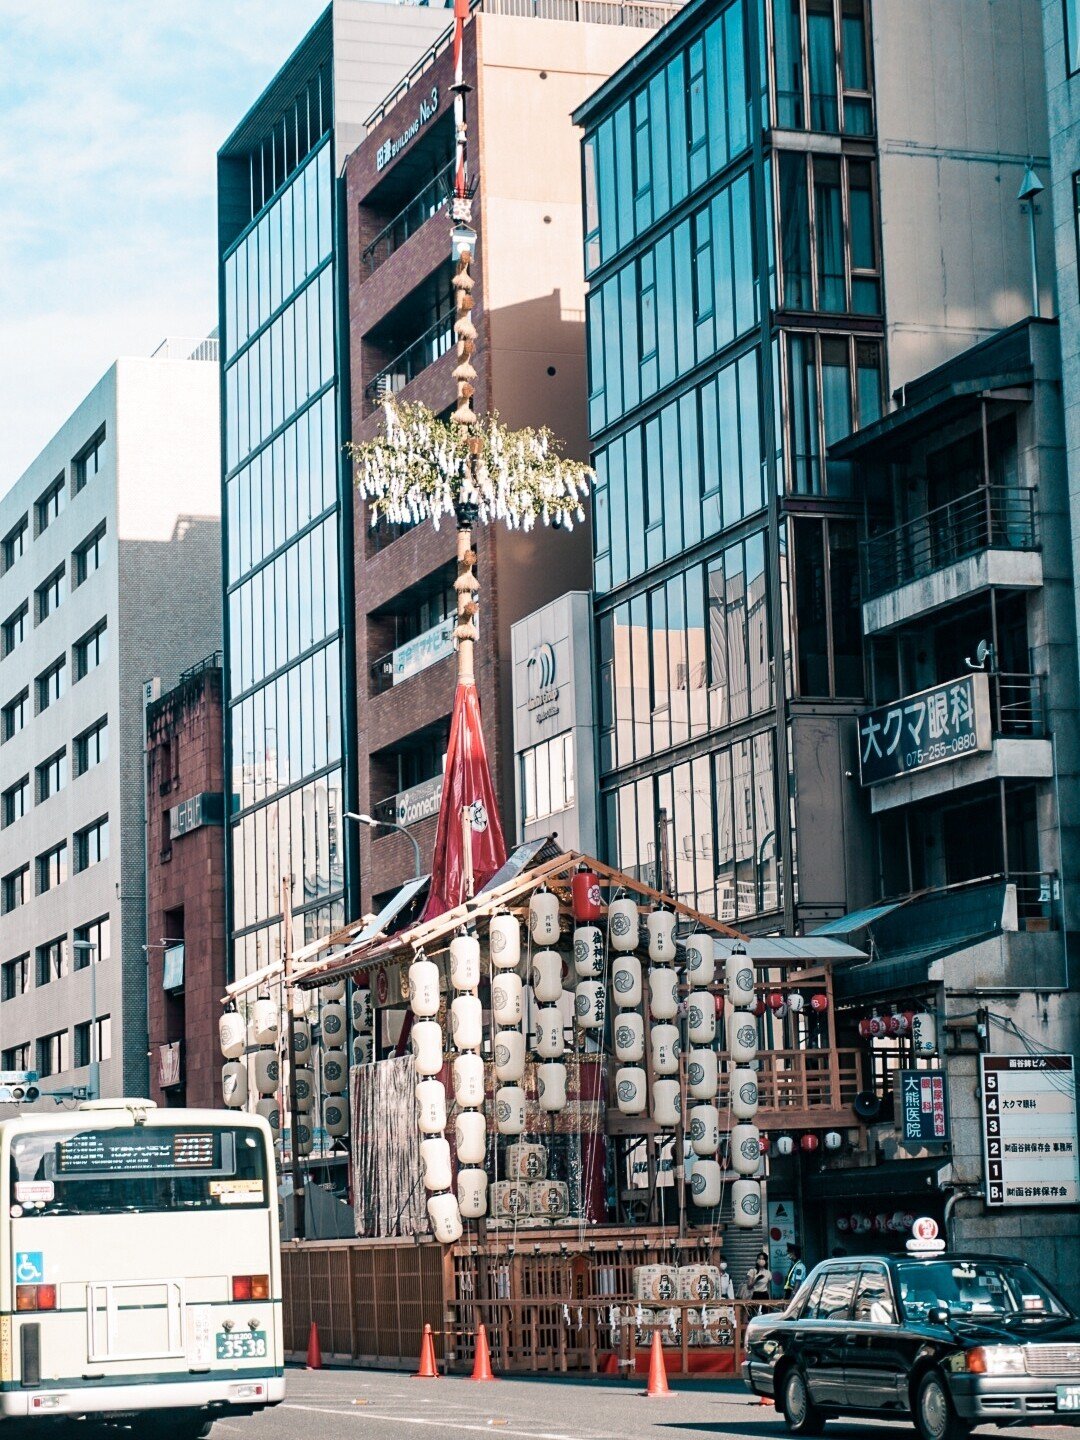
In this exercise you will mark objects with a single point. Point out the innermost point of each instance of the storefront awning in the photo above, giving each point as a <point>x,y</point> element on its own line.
<point>802,949</point>
<point>857,919</point>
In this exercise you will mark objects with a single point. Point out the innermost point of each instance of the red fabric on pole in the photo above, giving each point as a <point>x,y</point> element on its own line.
<point>466,784</point>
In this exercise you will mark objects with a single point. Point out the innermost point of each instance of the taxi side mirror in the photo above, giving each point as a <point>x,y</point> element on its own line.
<point>938,1314</point>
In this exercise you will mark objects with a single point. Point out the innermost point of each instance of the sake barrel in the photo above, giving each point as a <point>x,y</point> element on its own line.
<point>700,964</point>
<point>445,1219</point>
<point>626,982</point>
<point>629,1036</point>
<point>544,917</point>
<point>509,1199</point>
<point>267,1072</point>
<point>305,1087</point>
<point>699,1282</point>
<point>701,1017</point>
<point>506,999</point>
<point>663,992</point>
<point>546,976</point>
<point>746,1204</point>
<point>467,1022</point>
<point>742,1037</point>
<point>427,1046</point>
<point>590,1005</point>
<point>468,1081</point>
<point>665,1103</point>
<point>739,978</point>
<point>264,1022</point>
<point>549,1199</point>
<point>424,987</point>
<point>363,1049</point>
<point>623,924</point>
<point>704,1129</point>
<point>657,1284</point>
<point>232,1034</point>
<point>551,1087</point>
<point>660,925</point>
<point>550,1038</point>
<point>234,1084</point>
<point>335,1072</point>
<point>666,1049</point>
<point>588,952</point>
<point>702,1074</point>
<point>526,1161</point>
<point>464,962</point>
<point>431,1107</point>
<point>745,1149</point>
<point>510,1109</point>
<point>472,1186</point>
<point>336,1116</point>
<point>630,1090</point>
<point>504,942</point>
<point>706,1183</point>
<point>470,1137</point>
<point>360,1005</point>
<point>435,1162</point>
<point>509,1055</point>
<point>744,1093</point>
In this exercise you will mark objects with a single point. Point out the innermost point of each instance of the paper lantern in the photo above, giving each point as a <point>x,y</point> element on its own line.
<point>720,1002</point>
<point>270,1112</point>
<point>776,1000</point>
<point>424,987</point>
<point>464,962</point>
<point>630,1090</point>
<point>744,1149</point>
<point>267,1072</point>
<point>470,1137</point>
<point>700,964</point>
<point>509,1055</point>
<point>546,976</point>
<point>629,1036</point>
<point>764,1143</point>
<point>361,1008</point>
<point>435,1162</point>
<point>445,1219</point>
<point>336,1116</point>
<point>472,1193</point>
<point>585,899</point>
<point>785,1145</point>
<point>468,1073</point>
<point>234,1084</point>
<point>507,1005</point>
<point>867,1028</point>
<point>819,1003</point>
<point>795,1002</point>
<point>746,1204</point>
<point>427,1046</point>
<point>588,952</point>
<point>701,1017</point>
<point>706,1183</point>
<point>833,1140</point>
<point>304,1081</point>
<point>431,1107</point>
<point>510,1109</point>
<point>232,1034</point>
<point>623,927</point>
<point>758,1007</point>
<point>843,1224</point>
<point>665,1103</point>
<point>743,1088</point>
<point>702,1074</point>
<point>305,1136</point>
<point>924,1033</point>
<point>661,927</point>
<point>265,1021</point>
<point>504,942</point>
<point>590,1005</point>
<point>626,982</point>
<point>739,978</point>
<point>809,1143</point>
<point>333,990</point>
<point>550,1040</point>
<point>705,1129</point>
<point>544,917</point>
<point>663,992</point>
<point>335,1072</point>
<point>363,1049</point>
<point>467,1022</point>
<point>742,1037</point>
<point>666,1049</point>
<point>301,1044</point>
<point>551,1086</point>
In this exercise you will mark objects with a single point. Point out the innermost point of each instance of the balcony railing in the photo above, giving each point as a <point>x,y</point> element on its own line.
<point>994,517</point>
<point>1017,705</point>
<point>424,351</point>
<point>406,222</point>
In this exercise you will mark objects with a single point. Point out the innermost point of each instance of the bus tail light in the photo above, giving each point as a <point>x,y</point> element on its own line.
<point>35,1297</point>
<point>251,1287</point>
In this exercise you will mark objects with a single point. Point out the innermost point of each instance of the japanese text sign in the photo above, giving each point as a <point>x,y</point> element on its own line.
<point>913,733</point>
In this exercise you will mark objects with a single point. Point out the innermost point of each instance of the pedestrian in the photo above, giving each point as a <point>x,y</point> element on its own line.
<point>796,1272</point>
<point>761,1281</point>
<point>726,1291</point>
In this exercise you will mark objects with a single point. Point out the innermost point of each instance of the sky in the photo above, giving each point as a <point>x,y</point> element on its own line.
<point>111,113</point>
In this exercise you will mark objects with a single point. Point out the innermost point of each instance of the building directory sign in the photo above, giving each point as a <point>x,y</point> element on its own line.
<point>924,1108</point>
<point>929,728</point>
<point>1029,1129</point>
<point>426,649</point>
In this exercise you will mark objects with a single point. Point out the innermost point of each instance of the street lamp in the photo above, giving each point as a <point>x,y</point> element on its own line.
<point>94,1085</point>
<point>1030,186</point>
<point>373,824</point>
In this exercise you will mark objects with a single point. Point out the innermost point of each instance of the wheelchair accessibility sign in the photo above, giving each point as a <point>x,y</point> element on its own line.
<point>29,1267</point>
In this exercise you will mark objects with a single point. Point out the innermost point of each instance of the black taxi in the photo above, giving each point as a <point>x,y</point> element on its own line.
<point>949,1341</point>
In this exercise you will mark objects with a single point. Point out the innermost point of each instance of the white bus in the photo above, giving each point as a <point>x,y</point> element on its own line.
<point>140,1275</point>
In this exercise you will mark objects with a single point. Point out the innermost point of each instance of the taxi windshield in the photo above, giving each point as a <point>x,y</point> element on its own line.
<point>988,1289</point>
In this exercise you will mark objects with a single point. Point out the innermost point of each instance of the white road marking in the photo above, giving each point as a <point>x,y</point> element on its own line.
<point>482,1428</point>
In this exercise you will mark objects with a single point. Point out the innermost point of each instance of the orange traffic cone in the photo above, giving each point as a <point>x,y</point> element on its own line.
<point>427,1369</point>
<point>481,1369</point>
<point>314,1349</point>
<point>658,1386</point>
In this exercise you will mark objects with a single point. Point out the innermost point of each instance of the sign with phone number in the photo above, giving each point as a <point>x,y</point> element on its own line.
<point>918,731</point>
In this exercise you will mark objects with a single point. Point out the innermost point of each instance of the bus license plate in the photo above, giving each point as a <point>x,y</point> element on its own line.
<point>1068,1397</point>
<point>241,1345</point>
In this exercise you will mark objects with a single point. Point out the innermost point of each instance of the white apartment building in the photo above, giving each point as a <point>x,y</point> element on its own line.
<point>109,577</point>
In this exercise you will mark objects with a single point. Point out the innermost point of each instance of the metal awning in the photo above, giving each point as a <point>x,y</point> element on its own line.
<point>783,949</point>
<point>858,919</point>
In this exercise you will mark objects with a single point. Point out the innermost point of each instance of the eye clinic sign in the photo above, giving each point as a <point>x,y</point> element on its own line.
<point>389,148</point>
<point>943,723</point>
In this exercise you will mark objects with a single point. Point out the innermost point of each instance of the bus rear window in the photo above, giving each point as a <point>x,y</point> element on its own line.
<point>127,1170</point>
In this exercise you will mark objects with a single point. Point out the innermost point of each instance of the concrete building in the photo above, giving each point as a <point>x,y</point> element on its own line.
<point>109,579</point>
<point>526,74</point>
<point>185,886</point>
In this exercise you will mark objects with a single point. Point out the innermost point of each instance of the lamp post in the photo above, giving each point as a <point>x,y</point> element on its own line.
<point>1031,186</point>
<point>94,1083</point>
<point>373,824</point>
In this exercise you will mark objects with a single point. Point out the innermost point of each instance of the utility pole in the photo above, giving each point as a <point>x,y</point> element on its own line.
<point>294,1114</point>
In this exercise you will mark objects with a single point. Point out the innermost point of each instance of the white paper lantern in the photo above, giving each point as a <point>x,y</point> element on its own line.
<point>746,1204</point>
<point>702,1074</point>
<point>464,962</point>
<point>706,1183</point>
<point>427,1046</point>
<point>234,1084</point>
<point>510,1109</point>
<point>588,952</point>
<point>468,1073</point>
<point>549,1199</point>
<point>705,1129</point>
<point>305,1136</point>
<point>550,1037</point>
<point>467,1022</point>
<point>700,964</point>
<point>509,1055</point>
<point>665,1103</point>
<point>590,1005</point>
<point>701,1017</point>
<point>470,1137</point>
<point>745,1149</point>
<point>739,978</point>
<point>232,1034</point>
<point>663,992</point>
<point>271,1113</point>
<point>743,1086</point>
<point>360,1005</point>
<point>795,1002</point>
<point>424,987</point>
<point>305,1087</point>
<point>335,1072</point>
<point>332,1019</point>
<point>626,982</point>
<point>544,917</point>
<point>267,1072</point>
<point>833,1140</point>
<point>435,1161</point>
<point>631,1094</point>
<point>551,1086</point>
<point>336,1116</point>
<point>265,1020</point>
<point>431,1107</point>
<point>666,1049</point>
<point>363,1049</point>
<point>661,927</point>
<point>923,1033</point>
<point>785,1145</point>
<point>472,1193</point>
<point>504,942</point>
<point>742,1037</point>
<point>546,976</point>
<point>445,1219</point>
<point>629,1036</point>
<point>301,1044</point>
<point>623,924</point>
<point>507,998</point>
<point>333,990</point>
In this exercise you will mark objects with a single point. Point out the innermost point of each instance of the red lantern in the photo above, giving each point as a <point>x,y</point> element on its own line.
<point>763,1144</point>
<point>758,1007</point>
<point>585,889</point>
<point>866,1028</point>
<point>719,999</point>
<point>819,1003</point>
<point>809,1143</point>
<point>908,1018</point>
<point>775,1000</point>
<point>892,1024</point>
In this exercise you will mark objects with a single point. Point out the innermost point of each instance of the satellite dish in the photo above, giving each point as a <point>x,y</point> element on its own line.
<point>984,652</point>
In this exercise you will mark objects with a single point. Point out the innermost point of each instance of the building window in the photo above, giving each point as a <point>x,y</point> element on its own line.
<point>102,1050</point>
<point>93,943</point>
<point>48,595</point>
<point>92,844</point>
<point>89,556</point>
<point>49,685</point>
<point>52,1053</point>
<point>822,71</point>
<point>92,746</point>
<point>88,462</point>
<point>13,546</point>
<point>14,630</point>
<point>826,572</point>
<point>14,890</point>
<point>13,977</point>
<point>91,650</point>
<point>49,505</point>
<point>834,387</point>
<point>13,803</point>
<point>52,868</point>
<point>52,775</point>
<point>547,778</point>
<point>16,1057</point>
<point>13,715</point>
<point>51,961</point>
<point>1071,13</point>
<point>828,232</point>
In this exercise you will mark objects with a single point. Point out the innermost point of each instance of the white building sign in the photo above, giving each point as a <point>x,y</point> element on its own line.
<point>1029,1129</point>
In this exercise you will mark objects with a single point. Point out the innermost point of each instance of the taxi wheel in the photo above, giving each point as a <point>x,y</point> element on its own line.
<point>801,1415</point>
<point>935,1414</point>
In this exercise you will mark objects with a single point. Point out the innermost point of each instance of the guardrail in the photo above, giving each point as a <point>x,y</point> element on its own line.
<point>410,218</point>
<point>424,351</point>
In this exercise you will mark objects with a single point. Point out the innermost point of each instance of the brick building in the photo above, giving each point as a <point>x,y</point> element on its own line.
<point>185,886</point>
